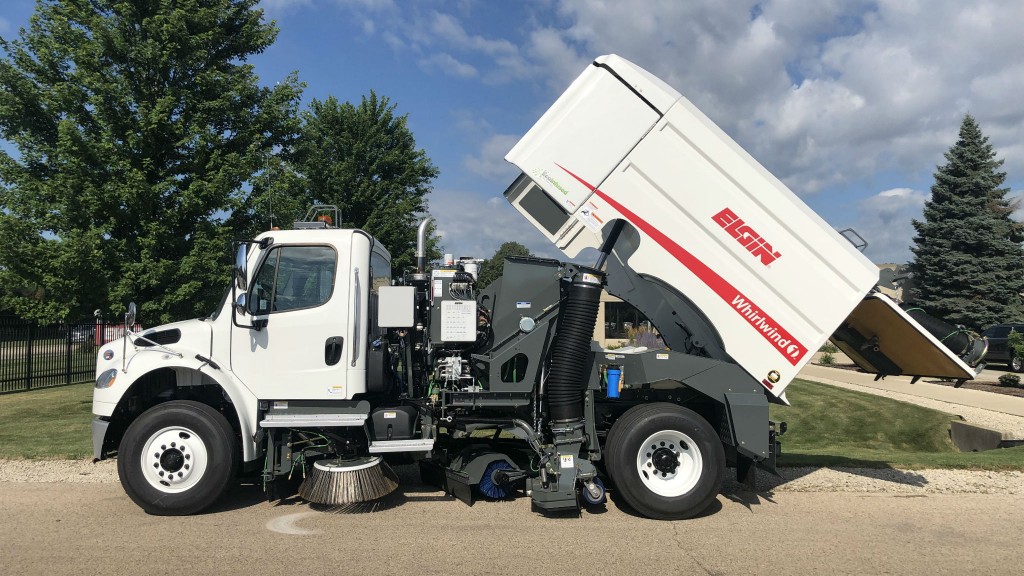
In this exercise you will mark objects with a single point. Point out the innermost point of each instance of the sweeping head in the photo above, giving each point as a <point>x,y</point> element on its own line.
<point>495,487</point>
<point>348,481</point>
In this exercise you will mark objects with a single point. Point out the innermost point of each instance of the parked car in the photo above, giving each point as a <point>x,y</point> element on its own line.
<point>82,333</point>
<point>999,351</point>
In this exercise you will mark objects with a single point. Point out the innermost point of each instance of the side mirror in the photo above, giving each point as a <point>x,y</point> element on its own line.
<point>241,305</point>
<point>129,317</point>
<point>240,263</point>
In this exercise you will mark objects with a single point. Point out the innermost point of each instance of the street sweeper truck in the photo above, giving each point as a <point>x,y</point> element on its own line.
<point>323,364</point>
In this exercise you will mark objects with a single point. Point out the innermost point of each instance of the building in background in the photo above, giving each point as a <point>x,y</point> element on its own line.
<point>618,322</point>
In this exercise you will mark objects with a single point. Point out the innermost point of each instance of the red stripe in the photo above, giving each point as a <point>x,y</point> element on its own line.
<point>793,352</point>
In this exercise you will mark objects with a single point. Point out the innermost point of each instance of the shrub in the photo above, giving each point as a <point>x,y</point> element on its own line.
<point>1016,343</point>
<point>1011,380</point>
<point>644,336</point>
<point>828,347</point>
<point>826,359</point>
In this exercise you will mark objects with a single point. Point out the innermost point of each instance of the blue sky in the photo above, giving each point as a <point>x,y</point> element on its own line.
<point>850,103</point>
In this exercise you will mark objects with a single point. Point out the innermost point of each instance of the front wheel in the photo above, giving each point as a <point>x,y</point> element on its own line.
<point>667,461</point>
<point>177,458</point>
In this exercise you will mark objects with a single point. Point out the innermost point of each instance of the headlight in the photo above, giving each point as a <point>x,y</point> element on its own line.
<point>106,379</point>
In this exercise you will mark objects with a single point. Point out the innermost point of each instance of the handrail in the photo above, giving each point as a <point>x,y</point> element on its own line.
<point>355,320</point>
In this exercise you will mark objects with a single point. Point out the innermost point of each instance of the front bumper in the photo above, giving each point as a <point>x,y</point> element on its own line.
<point>99,433</point>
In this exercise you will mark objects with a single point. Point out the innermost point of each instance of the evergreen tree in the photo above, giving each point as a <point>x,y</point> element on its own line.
<point>969,264</point>
<point>138,127</point>
<point>491,268</point>
<point>364,160</point>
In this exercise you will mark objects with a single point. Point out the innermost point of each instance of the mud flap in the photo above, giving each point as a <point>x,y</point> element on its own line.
<point>882,339</point>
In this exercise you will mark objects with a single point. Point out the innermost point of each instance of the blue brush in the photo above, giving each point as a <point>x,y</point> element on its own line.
<point>487,485</point>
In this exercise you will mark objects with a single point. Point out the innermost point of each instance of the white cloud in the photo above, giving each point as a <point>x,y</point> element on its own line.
<point>279,6</point>
<point>448,65</point>
<point>820,92</point>
<point>5,27</point>
<point>490,162</point>
<point>446,27</point>
<point>1016,198</point>
<point>824,94</point>
<point>471,225</point>
<point>437,38</point>
<point>884,220</point>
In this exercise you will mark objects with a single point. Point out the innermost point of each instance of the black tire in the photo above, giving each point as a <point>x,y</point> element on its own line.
<point>677,477</point>
<point>1016,364</point>
<point>606,454</point>
<point>177,458</point>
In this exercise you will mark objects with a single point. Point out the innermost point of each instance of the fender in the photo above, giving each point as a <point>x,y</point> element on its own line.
<point>189,371</point>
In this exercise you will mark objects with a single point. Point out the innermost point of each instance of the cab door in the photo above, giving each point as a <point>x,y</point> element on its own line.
<point>296,344</point>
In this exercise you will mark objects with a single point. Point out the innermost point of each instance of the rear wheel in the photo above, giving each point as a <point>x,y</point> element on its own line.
<point>177,458</point>
<point>666,461</point>
<point>1016,364</point>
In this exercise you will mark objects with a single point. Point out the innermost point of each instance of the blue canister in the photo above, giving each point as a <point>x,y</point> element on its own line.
<point>614,377</point>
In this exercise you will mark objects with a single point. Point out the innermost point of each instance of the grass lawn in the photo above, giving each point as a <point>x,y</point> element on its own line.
<point>828,426</point>
<point>47,423</point>
<point>831,426</point>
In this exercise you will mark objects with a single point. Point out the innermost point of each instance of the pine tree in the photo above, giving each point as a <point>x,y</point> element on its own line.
<point>969,264</point>
<point>138,128</point>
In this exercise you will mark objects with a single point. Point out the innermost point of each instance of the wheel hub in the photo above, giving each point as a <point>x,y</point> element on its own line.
<point>665,460</point>
<point>172,460</point>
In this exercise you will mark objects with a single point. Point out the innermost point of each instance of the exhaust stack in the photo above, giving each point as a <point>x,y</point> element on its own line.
<point>421,245</point>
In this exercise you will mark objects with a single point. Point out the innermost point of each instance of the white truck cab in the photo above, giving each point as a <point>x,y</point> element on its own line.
<point>299,330</point>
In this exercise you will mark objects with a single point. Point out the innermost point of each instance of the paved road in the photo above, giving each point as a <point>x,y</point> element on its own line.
<point>62,528</point>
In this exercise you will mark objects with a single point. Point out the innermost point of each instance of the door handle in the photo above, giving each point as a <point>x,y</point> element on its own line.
<point>332,350</point>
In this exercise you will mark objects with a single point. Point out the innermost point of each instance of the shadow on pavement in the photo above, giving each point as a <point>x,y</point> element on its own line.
<point>801,478</point>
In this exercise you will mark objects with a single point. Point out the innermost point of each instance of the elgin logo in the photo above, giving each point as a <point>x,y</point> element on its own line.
<point>746,236</point>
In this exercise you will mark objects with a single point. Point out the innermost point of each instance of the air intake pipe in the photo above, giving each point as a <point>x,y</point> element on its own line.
<point>567,372</point>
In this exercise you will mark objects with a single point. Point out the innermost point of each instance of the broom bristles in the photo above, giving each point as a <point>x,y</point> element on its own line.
<point>336,482</point>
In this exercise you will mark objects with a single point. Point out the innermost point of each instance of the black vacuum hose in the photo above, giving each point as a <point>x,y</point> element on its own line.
<point>571,347</point>
<point>956,339</point>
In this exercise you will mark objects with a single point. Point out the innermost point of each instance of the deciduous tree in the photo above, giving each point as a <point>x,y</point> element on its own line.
<point>137,129</point>
<point>491,269</point>
<point>363,158</point>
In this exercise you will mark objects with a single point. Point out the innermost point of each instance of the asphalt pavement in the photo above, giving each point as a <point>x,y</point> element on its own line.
<point>55,529</point>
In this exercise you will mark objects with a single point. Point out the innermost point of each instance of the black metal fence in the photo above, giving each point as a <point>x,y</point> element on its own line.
<point>34,356</point>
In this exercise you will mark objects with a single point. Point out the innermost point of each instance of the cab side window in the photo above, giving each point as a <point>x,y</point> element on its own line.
<point>294,278</point>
